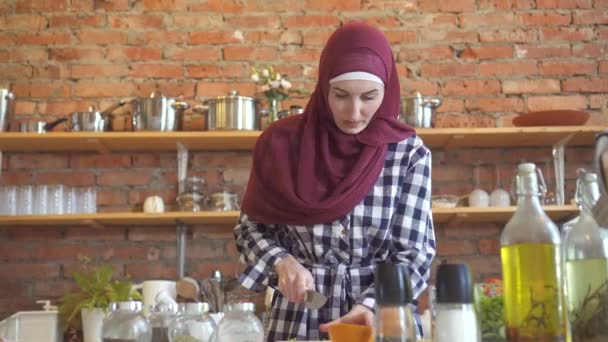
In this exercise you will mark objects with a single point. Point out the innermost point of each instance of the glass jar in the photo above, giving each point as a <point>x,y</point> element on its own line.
<point>192,324</point>
<point>240,324</point>
<point>531,267</point>
<point>586,268</point>
<point>125,323</point>
<point>193,197</point>
<point>394,318</point>
<point>161,316</point>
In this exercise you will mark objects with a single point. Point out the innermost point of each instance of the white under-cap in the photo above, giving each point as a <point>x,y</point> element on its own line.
<point>356,75</point>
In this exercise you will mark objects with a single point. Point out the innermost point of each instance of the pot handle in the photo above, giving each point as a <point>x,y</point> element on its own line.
<point>180,105</point>
<point>112,108</point>
<point>201,109</point>
<point>433,102</point>
<point>50,125</point>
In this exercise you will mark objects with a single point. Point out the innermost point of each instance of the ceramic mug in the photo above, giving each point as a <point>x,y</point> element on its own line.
<point>157,292</point>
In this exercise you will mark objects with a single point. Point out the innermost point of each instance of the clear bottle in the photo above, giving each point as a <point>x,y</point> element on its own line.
<point>456,315</point>
<point>531,266</point>
<point>394,318</point>
<point>161,317</point>
<point>586,183</point>
<point>192,324</point>
<point>586,268</point>
<point>125,323</point>
<point>240,324</point>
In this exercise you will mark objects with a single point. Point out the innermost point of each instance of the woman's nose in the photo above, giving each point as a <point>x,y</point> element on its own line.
<point>354,109</point>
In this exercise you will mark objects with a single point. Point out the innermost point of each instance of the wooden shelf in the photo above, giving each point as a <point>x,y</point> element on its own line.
<point>245,140</point>
<point>228,219</point>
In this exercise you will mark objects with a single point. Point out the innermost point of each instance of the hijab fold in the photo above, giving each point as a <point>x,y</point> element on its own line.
<point>305,170</point>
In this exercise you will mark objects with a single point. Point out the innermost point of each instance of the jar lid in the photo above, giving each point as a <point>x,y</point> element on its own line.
<point>234,307</point>
<point>393,284</point>
<point>132,305</point>
<point>454,284</point>
<point>193,308</point>
<point>165,308</point>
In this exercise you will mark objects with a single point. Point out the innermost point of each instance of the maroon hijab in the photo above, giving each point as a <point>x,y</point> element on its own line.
<point>305,170</point>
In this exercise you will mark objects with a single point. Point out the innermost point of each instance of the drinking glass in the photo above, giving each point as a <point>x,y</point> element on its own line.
<point>56,200</point>
<point>8,200</point>
<point>41,193</point>
<point>25,200</point>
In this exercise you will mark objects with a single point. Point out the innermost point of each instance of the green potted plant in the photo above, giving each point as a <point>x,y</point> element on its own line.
<point>86,307</point>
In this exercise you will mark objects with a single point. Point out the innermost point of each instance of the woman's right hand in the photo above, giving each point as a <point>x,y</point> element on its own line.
<point>294,279</point>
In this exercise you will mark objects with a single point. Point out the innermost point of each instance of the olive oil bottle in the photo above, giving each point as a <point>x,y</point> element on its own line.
<point>586,260</point>
<point>531,265</point>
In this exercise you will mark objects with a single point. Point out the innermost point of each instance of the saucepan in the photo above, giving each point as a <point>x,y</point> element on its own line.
<point>94,120</point>
<point>7,105</point>
<point>36,126</point>
<point>230,112</point>
<point>157,113</point>
<point>419,111</point>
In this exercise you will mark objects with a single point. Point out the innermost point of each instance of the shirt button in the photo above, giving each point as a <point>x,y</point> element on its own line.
<point>344,232</point>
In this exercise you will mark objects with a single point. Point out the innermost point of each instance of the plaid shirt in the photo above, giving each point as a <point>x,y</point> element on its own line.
<point>393,223</point>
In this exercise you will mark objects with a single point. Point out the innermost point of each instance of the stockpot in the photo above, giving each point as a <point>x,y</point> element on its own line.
<point>94,120</point>
<point>157,113</point>
<point>7,105</point>
<point>419,111</point>
<point>230,112</point>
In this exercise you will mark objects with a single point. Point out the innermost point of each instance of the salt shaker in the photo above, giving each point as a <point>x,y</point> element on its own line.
<point>456,317</point>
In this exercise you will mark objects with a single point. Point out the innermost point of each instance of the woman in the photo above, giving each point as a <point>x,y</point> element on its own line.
<point>335,191</point>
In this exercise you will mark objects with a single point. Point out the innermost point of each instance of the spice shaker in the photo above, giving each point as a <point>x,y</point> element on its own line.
<point>394,318</point>
<point>240,324</point>
<point>126,324</point>
<point>456,317</point>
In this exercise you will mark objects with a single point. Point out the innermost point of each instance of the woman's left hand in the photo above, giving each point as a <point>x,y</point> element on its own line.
<point>359,314</point>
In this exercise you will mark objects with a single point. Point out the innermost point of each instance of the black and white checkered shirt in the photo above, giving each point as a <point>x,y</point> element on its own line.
<point>393,223</point>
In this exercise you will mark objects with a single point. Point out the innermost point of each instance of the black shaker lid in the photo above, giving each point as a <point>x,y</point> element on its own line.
<point>392,283</point>
<point>454,284</point>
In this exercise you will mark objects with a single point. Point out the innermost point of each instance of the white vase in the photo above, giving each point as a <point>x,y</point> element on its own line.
<point>92,321</point>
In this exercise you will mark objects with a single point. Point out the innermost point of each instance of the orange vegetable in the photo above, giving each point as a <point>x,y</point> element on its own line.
<point>343,332</point>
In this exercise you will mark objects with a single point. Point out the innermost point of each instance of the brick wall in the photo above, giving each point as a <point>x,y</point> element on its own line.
<point>488,59</point>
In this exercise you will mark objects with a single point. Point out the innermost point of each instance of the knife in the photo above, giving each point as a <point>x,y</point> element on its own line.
<point>314,300</point>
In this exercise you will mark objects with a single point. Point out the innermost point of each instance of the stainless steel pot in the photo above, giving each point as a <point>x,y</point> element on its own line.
<point>7,106</point>
<point>34,126</point>
<point>94,120</point>
<point>230,112</point>
<point>419,111</point>
<point>157,113</point>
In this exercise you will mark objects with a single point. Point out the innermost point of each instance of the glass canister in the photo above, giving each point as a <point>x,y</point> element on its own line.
<point>193,197</point>
<point>192,324</point>
<point>240,324</point>
<point>586,267</point>
<point>531,267</point>
<point>125,323</point>
<point>161,317</point>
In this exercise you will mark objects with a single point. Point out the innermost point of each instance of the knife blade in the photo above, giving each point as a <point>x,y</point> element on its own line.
<point>314,300</point>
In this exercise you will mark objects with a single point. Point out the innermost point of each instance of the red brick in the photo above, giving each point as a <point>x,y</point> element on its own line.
<point>545,19</point>
<point>66,178</point>
<point>95,70</point>
<point>566,68</point>
<point>195,20</point>
<point>95,234</point>
<point>451,105</point>
<point>154,160</point>
<point>168,196</point>
<point>71,21</point>
<point>23,23</point>
<point>63,251</point>
<point>456,247</point>
<point>597,101</point>
<point>166,87</point>
<point>291,38</point>
<point>15,71</point>
<point>76,54</point>
<point>464,121</point>
<point>209,249</point>
<point>124,178</point>
<point>47,289</point>
<point>439,52</point>
<point>445,20</point>
<point>32,234</point>
<point>259,54</point>
<point>401,36</point>
<point>157,270</point>
<point>14,252</point>
<point>195,54</point>
<point>602,34</point>
<point>131,252</point>
<point>15,177</point>
<point>603,67</point>
<point>451,173</point>
<point>149,234</point>
<point>490,19</point>
<point>43,6</point>
<point>103,89</point>
<point>166,37</point>
<point>13,288</point>
<point>222,6</point>
<point>447,6</point>
<point>63,106</point>
<point>563,4</point>
<point>471,87</point>
<point>110,6</point>
<point>556,102</point>
<point>423,86</point>
<point>254,22</point>
<point>214,71</point>
<point>589,50</point>
<point>487,52</point>
<point>491,246</point>
<point>102,37</point>
<point>507,68</point>
<point>505,4</point>
<point>530,86</point>
<point>29,271</point>
<point>228,268</point>
<point>135,54</point>
<point>143,21</point>
<point>38,161</point>
<point>333,5</point>
<point>495,104</point>
<point>213,38</point>
<point>306,21</point>
<point>448,69</point>
<point>100,161</point>
<point>53,72</point>
<point>207,89</point>
<point>157,71</point>
<point>451,36</point>
<point>581,84</point>
<point>487,265</point>
<point>41,90</point>
<point>256,37</point>
<point>567,33</point>
<point>25,55</point>
<point>164,5</point>
<point>44,38</point>
<point>518,35</point>
<point>111,197</point>
<point>541,51</point>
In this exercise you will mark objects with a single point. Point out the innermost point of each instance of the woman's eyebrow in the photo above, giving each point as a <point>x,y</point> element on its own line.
<point>370,92</point>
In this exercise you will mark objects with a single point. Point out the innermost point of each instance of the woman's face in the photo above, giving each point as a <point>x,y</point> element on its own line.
<point>353,103</point>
